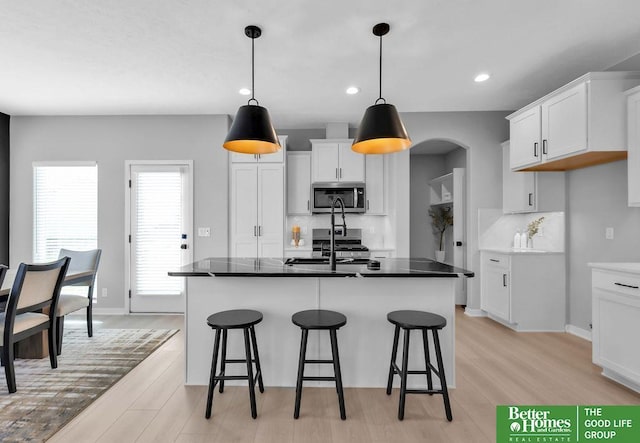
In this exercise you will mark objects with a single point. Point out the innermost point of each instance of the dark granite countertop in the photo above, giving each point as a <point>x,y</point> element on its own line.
<point>275,267</point>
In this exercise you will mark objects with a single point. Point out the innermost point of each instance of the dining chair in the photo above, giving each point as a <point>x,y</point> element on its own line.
<point>36,287</point>
<point>81,261</point>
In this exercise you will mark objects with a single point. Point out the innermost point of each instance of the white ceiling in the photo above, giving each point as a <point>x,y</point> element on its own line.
<point>75,57</point>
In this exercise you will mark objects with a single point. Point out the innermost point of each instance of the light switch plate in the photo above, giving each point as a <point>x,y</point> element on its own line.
<point>204,232</point>
<point>608,233</point>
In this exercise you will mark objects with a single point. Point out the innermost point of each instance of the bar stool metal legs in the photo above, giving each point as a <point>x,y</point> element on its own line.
<point>425,322</point>
<point>221,322</point>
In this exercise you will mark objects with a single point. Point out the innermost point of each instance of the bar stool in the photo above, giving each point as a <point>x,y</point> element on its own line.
<point>244,319</point>
<point>319,319</point>
<point>424,321</point>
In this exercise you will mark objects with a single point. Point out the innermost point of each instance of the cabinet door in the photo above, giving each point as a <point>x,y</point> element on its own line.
<point>270,210</point>
<point>518,188</point>
<point>299,183</point>
<point>244,211</point>
<point>564,123</point>
<point>350,165</point>
<point>375,184</point>
<point>633,162</point>
<point>495,291</point>
<point>524,133</point>
<point>324,162</point>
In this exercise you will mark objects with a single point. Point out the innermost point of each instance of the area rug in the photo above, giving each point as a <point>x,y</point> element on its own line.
<point>49,398</point>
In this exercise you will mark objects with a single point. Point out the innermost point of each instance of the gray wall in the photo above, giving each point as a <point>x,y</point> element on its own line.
<point>481,133</point>
<point>110,141</point>
<point>424,168</point>
<point>455,159</point>
<point>299,138</point>
<point>4,189</point>
<point>597,198</point>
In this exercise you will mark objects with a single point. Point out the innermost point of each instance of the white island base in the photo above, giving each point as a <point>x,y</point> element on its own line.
<point>364,342</point>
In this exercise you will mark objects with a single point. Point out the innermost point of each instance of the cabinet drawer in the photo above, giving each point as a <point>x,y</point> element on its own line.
<point>495,259</point>
<point>617,282</point>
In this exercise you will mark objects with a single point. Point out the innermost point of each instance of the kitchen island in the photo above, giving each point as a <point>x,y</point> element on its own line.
<point>279,290</point>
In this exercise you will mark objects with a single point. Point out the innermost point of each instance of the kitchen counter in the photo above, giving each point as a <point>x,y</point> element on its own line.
<point>511,251</point>
<point>278,291</point>
<point>275,267</point>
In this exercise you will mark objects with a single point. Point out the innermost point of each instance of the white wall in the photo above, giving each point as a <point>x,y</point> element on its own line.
<point>481,133</point>
<point>110,140</point>
<point>424,168</point>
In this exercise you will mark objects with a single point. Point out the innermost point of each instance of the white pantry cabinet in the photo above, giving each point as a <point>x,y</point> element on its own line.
<point>530,191</point>
<point>276,157</point>
<point>616,322</point>
<point>375,184</point>
<point>524,291</point>
<point>633,140</point>
<point>334,161</point>
<point>299,183</point>
<point>580,124</point>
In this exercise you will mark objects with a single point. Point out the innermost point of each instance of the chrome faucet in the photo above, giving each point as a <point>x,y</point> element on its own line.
<point>332,252</point>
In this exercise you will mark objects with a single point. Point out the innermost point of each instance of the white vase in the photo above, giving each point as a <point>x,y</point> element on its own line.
<point>440,256</point>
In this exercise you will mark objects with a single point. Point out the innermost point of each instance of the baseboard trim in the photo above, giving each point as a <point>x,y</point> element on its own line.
<point>474,312</point>
<point>578,332</point>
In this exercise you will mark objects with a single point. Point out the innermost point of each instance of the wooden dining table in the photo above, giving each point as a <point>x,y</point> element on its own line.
<point>36,346</point>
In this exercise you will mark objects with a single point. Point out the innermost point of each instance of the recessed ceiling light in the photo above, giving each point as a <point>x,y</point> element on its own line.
<point>245,91</point>
<point>351,90</point>
<point>481,77</point>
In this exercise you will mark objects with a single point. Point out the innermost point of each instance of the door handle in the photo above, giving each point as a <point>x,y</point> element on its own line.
<point>504,280</point>
<point>544,146</point>
<point>535,149</point>
<point>458,243</point>
<point>530,199</point>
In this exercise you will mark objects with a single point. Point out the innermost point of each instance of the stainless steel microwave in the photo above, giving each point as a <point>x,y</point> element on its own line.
<point>352,194</point>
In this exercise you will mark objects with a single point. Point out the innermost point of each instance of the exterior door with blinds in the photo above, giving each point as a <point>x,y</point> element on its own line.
<point>160,229</point>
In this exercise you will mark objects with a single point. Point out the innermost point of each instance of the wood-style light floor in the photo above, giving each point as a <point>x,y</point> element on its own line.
<point>494,366</point>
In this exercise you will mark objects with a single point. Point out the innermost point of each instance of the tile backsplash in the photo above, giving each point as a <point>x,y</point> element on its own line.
<point>496,230</point>
<point>376,229</point>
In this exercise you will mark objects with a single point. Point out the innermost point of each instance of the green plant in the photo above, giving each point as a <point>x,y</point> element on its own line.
<point>533,227</point>
<point>441,219</point>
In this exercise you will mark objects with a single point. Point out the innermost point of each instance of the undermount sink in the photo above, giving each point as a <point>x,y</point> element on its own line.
<point>325,261</point>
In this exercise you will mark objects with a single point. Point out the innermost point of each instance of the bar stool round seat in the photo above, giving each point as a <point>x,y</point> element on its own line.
<point>234,319</point>
<point>222,322</point>
<point>319,319</point>
<point>425,322</point>
<point>417,320</point>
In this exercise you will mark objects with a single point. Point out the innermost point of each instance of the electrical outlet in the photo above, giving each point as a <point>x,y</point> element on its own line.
<point>104,292</point>
<point>303,229</point>
<point>204,232</point>
<point>608,233</point>
<point>372,230</point>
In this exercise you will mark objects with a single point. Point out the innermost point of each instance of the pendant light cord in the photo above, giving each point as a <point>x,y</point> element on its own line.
<point>380,77</point>
<point>253,74</point>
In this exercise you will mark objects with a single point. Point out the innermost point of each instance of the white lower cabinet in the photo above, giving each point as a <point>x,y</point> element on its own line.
<point>616,325</point>
<point>525,291</point>
<point>256,222</point>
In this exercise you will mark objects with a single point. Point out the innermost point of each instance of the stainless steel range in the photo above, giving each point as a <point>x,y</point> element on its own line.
<point>349,245</point>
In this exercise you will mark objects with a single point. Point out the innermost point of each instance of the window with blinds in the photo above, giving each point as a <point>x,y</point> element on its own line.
<point>65,209</point>
<point>158,223</point>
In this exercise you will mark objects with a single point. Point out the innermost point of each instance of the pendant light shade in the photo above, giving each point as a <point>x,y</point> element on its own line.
<point>381,131</point>
<point>252,131</point>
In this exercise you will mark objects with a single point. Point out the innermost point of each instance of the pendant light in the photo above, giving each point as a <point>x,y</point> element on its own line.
<point>252,131</point>
<point>381,131</point>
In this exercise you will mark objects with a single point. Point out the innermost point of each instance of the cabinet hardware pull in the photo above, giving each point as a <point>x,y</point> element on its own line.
<point>494,260</point>
<point>535,149</point>
<point>626,286</point>
<point>340,172</point>
<point>259,231</point>
<point>336,172</point>
<point>544,146</point>
<point>530,199</point>
<point>308,205</point>
<point>367,204</point>
<point>504,280</point>
<point>255,229</point>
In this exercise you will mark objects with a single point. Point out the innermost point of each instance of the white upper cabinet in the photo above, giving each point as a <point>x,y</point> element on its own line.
<point>374,184</point>
<point>299,183</point>
<point>633,128</point>
<point>518,188</point>
<point>581,124</point>
<point>276,157</point>
<point>334,161</point>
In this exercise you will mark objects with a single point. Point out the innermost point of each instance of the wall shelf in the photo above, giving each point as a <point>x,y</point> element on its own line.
<point>441,190</point>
